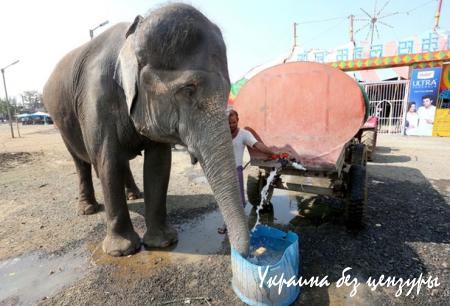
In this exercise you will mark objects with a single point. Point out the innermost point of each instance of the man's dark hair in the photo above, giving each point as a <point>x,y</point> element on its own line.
<point>427,97</point>
<point>232,112</point>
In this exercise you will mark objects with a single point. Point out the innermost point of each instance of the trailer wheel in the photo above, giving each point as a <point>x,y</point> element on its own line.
<point>359,154</point>
<point>255,183</point>
<point>369,138</point>
<point>356,197</point>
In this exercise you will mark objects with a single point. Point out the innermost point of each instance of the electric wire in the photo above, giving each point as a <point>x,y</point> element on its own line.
<point>418,7</point>
<point>359,19</point>
<point>327,30</point>
<point>321,20</point>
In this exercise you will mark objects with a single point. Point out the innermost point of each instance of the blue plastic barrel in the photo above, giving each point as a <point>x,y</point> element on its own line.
<point>247,279</point>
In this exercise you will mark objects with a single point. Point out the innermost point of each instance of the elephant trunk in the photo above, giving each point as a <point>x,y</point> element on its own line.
<point>216,157</point>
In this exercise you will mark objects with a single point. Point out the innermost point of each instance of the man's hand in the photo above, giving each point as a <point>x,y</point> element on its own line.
<point>266,150</point>
<point>283,155</point>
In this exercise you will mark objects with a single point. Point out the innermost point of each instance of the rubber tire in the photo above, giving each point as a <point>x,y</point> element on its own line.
<point>255,183</point>
<point>359,154</point>
<point>356,199</point>
<point>369,138</point>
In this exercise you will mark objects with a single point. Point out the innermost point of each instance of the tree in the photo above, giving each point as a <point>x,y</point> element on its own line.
<point>12,107</point>
<point>32,100</point>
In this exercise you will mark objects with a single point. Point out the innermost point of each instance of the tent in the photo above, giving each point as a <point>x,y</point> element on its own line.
<point>35,118</point>
<point>42,114</point>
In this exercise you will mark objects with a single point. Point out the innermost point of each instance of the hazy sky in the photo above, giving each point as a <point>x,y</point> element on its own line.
<point>40,32</point>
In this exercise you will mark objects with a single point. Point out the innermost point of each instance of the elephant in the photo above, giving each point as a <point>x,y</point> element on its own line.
<point>161,80</point>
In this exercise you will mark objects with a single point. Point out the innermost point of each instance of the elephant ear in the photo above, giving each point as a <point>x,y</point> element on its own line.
<point>126,70</point>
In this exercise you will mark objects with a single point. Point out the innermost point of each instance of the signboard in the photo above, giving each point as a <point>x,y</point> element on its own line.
<point>424,82</point>
<point>423,93</point>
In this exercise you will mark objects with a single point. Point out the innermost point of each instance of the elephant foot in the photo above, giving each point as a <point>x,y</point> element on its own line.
<point>86,207</point>
<point>160,238</point>
<point>121,245</point>
<point>133,194</point>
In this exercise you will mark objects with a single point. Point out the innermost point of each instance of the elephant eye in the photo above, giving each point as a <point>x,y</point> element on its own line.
<point>189,90</point>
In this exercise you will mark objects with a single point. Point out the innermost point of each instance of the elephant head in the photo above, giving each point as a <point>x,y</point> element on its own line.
<point>174,75</point>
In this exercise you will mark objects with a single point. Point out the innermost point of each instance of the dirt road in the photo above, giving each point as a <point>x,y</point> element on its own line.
<point>51,256</point>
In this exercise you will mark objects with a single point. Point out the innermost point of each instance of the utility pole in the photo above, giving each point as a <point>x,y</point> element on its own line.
<point>295,35</point>
<point>351,32</point>
<point>294,45</point>
<point>437,16</point>
<point>7,100</point>
<point>91,31</point>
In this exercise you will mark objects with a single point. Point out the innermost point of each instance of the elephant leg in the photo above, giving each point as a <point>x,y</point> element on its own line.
<point>157,163</point>
<point>87,204</point>
<point>131,188</point>
<point>121,239</point>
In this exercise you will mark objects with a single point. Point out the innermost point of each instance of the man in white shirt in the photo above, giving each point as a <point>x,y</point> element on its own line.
<point>241,139</point>
<point>426,116</point>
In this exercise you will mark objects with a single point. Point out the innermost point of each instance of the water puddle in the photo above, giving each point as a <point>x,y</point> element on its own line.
<point>285,209</point>
<point>200,236</point>
<point>197,240</point>
<point>30,278</point>
<point>296,209</point>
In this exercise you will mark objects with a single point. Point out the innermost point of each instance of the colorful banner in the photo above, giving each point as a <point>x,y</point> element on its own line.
<point>422,60</point>
<point>423,94</point>
<point>428,42</point>
<point>445,81</point>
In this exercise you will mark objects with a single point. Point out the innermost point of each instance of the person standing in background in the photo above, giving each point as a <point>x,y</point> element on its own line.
<point>426,116</point>
<point>241,139</point>
<point>412,120</point>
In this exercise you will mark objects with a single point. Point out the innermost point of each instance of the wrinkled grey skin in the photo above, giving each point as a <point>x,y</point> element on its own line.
<point>161,80</point>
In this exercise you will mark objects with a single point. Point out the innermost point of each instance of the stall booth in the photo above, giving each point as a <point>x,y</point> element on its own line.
<point>442,119</point>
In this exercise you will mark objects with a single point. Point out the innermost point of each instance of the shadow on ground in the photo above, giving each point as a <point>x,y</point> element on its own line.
<point>407,225</point>
<point>382,156</point>
<point>403,219</point>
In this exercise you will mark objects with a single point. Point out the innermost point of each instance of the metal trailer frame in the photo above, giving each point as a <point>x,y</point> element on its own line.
<point>348,181</point>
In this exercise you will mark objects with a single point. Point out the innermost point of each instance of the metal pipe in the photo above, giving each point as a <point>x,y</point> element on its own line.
<point>437,16</point>
<point>352,40</point>
<point>7,101</point>
<point>295,34</point>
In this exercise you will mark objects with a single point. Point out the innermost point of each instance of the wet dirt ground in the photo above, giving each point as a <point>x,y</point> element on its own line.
<point>51,256</point>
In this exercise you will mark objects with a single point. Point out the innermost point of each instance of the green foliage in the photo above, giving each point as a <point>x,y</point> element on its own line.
<point>4,110</point>
<point>31,102</point>
<point>32,99</point>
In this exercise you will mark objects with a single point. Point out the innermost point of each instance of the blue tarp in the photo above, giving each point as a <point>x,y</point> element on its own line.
<point>34,115</point>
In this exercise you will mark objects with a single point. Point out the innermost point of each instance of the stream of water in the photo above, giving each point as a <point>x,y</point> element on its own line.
<point>264,194</point>
<point>265,250</point>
